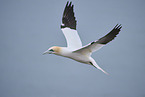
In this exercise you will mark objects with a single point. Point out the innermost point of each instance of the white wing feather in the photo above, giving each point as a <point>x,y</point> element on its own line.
<point>90,48</point>
<point>72,38</point>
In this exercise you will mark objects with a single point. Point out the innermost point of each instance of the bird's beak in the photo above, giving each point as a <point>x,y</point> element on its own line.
<point>47,52</point>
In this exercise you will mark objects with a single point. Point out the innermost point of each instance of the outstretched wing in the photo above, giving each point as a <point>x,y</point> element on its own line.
<point>68,28</point>
<point>96,45</point>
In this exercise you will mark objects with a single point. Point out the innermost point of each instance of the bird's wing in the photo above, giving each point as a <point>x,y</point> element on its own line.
<point>96,45</point>
<point>68,28</point>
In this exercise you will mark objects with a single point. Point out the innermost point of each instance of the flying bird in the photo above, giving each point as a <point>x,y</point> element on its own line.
<point>74,49</point>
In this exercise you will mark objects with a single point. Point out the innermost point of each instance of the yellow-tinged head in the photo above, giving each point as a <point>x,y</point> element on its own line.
<point>53,50</point>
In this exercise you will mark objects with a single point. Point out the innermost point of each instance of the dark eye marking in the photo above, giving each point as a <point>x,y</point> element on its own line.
<point>51,50</point>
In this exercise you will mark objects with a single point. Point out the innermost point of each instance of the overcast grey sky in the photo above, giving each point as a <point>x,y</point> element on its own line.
<point>29,27</point>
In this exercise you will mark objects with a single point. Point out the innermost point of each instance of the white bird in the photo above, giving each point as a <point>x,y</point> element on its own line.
<point>74,49</point>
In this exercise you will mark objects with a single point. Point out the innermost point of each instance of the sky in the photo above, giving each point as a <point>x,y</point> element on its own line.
<point>30,27</point>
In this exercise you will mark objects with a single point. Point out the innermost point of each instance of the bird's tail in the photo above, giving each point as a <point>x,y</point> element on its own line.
<point>93,63</point>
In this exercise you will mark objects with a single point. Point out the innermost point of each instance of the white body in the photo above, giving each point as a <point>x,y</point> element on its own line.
<point>81,55</point>
<point>66,52</point>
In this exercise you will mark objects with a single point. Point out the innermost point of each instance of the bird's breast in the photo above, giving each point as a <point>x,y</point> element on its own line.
<point>79,57</point>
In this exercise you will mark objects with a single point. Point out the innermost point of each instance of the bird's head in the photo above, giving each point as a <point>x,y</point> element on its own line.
<point>53,50</point>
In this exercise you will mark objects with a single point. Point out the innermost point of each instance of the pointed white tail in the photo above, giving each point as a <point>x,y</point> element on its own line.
<point>97,66</point>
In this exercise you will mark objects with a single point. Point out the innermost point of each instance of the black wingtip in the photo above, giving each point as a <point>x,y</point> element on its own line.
<point>70,3</point>
<point>68,19</point>
<point>111,35</point>
<point>118,27</point>
<point>67,2</point>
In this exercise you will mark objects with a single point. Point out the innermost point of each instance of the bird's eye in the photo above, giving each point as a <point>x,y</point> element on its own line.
<point>51,50</point>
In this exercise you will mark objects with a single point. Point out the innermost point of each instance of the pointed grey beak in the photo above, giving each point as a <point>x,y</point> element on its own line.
<point>47,52</point>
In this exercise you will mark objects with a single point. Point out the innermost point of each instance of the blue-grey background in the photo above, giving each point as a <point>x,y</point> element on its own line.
<point>29,27</point>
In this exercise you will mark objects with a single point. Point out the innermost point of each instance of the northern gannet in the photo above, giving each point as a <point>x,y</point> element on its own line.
<point>74,49</point>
